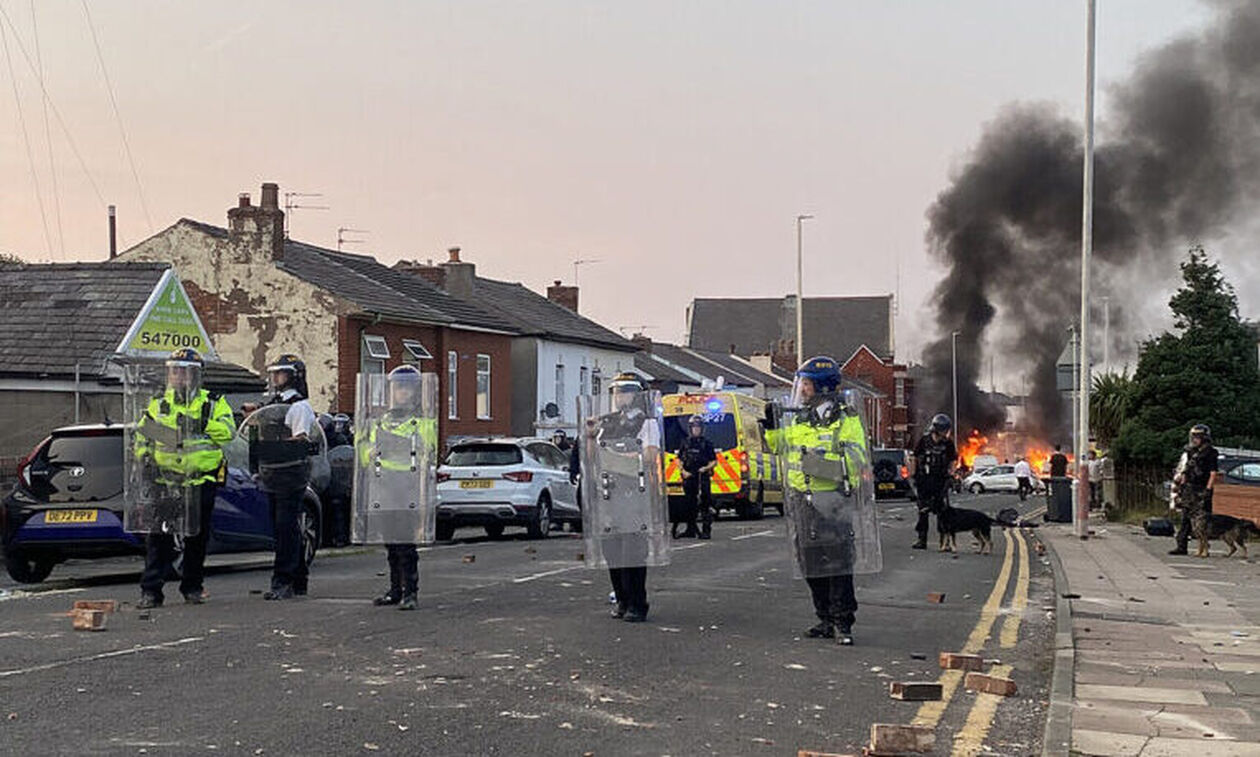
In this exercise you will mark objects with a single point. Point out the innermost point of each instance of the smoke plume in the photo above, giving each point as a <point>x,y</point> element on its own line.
<point>1175,163</point>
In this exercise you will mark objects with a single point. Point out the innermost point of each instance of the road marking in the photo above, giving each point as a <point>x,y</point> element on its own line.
<point>545,573</point>
<point>767,532</point>
<point>970,740</point>
<point>7,595</point>
<point>689,546</point>
<point>101,656</point>
<point>930,712</point>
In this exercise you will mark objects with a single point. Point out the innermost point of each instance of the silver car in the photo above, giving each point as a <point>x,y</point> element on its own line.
<point>496,483</point>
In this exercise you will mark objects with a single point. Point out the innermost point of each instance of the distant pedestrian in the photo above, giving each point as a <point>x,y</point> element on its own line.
<point>561,440</point>
<point>1023,475</point>
<point>1194,485</point>
<point>1058,463</point>
<point>1094,467</point>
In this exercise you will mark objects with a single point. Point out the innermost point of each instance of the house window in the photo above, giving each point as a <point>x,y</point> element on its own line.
<point>560,386</point>
<point>452,384</point>
<point>584,380</point>
<point>900,393</point>
<point>483,387</point>
<point>371,364</point>
<point>415,351</point>
<point>595,383</point>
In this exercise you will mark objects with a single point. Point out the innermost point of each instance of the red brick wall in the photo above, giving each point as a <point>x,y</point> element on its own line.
<point>864,366</point>
<point>438,341</point>
<point>1238,501</point>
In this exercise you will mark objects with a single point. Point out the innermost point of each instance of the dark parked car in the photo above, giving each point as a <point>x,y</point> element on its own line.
<point>891,469</point>
<point>68,504</point>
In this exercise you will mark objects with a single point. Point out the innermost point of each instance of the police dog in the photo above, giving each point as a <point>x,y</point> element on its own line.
<point>955,520</point>
<point>1233,531</point>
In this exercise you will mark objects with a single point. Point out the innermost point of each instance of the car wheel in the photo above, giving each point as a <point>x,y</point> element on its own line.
<point>976,488</point>
<point>540,526</point>
<point>28,570</point>
<point>444,532</point>
<point>494,531</point>
<point>311,527</point>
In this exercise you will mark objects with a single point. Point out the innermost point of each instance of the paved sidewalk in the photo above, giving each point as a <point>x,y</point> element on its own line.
<point>1167,649</point>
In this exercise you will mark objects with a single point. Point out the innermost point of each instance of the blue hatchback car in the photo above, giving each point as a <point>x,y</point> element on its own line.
<point>68,504</point>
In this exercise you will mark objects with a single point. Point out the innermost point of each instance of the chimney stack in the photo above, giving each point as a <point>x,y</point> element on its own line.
<point>460,277</point>
<point>564,296</point>
<point>642,341</point>
<point>261,227</point>
<point>113,233</point>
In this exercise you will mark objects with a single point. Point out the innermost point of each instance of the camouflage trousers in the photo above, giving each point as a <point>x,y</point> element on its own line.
<point>1196,505</point>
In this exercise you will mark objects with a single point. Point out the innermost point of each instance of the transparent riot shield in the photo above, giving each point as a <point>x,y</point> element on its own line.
<point>395,433</point>
<point>157,494</point>
<point>287,450</point>
<point>625,514</point>
<point>829,496</point>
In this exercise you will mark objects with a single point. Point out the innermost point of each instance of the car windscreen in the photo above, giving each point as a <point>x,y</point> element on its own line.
<point>895,456</point>
<point>719,428</point>
<point>82,468</point>
<point>474,455</point>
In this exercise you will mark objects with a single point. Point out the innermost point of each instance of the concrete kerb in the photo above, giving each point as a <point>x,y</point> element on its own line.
<point>1057,741</point>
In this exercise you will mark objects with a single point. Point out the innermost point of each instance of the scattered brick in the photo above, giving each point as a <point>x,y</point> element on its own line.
<point>936,598</point>
<point>887,738</point>
<point>470,558</point>
<point>985,684</point>
<point>88,620</point>
<point>959,661</point>
<point>915,691</point>
<point>812,753</point>
<point>104,605</point>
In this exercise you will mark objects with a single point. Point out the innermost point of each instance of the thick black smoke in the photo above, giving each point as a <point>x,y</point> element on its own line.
<point>1176,162</point>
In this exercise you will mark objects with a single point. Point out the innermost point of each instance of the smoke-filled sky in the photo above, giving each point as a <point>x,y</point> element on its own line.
<point>673,141</point>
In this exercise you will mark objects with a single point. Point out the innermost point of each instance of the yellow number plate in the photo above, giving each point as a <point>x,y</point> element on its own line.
<point>476,484</point>
<point>887,486</point>
<point>70,516</point>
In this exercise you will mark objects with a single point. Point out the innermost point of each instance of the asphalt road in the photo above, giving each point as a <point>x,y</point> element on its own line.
<point>513,652</point>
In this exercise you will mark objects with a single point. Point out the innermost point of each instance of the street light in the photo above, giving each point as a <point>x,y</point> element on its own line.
<point>1081,519</point>
<point>953,342</point>
<point>800,292</point>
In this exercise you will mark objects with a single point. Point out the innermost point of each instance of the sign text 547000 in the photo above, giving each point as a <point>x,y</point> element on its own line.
<point>167,339</point>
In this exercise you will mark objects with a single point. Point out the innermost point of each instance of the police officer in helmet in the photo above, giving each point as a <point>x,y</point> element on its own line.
<point>389,446</point>
<point>180,442</point>
<point>932,469</point>
<point>697,458</point>
<point>1194,483</point>
<point>823,434</point>
<point>287,379</point>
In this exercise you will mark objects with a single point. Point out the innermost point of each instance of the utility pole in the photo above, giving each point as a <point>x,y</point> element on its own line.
<point>342,239</point>
<point>800,292</point>
<point>1106,334</point>
<point>1087,244</point>
<point>953,338</point>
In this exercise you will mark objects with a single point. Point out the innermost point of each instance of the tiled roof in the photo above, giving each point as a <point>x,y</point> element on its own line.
<point>737,366</point>
<point>536,315</point>
<point>690,361</point>
<point>52,316</point>
<point>834,326</point>
<point>658,371</point>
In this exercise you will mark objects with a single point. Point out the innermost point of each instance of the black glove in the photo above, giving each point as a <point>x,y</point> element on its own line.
<point>769,421</point>
<point>573,479</point>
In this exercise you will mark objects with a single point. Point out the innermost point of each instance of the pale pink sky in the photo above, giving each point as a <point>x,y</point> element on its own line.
<point>674,141</point>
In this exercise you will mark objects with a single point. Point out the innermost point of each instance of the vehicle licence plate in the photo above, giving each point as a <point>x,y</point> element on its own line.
<point>70,516</point>
<point>476,484</point>
<point>887,486</point>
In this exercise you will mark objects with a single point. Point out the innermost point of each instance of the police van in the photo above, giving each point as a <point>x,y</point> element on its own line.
<point>747,476</point>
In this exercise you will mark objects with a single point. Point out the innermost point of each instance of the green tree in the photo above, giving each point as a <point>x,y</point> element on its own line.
<point>1110,400</point>
<point>1204,371</point>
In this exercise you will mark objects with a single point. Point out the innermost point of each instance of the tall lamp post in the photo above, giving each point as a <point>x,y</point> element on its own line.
<point>953,342</point>
<point>1081,521</point>
<point>800,291</point>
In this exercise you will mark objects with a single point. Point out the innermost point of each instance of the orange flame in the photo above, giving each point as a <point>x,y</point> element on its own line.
<point>973,446</point>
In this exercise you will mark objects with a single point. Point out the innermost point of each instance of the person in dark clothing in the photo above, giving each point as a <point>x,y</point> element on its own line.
<point>1058,463</point>
<point>698,458</point>
<point>1194,484</point>
<point>932,468</point>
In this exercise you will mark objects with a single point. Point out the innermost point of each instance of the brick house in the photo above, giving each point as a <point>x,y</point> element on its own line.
<point>893,420</point>
<point>261,295</point>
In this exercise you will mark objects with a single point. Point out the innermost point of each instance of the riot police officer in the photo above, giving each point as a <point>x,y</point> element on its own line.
<point>624,503</point>
<point>179,443</point>
<point>1194,484</point>
<point>697,458</point>
<point>393,502</point>
<point>285,480</point>
<point>832,525</point>
<point>931,470</point>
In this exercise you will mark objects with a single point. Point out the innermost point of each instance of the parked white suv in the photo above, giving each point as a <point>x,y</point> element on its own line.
<point>999,478</point>
<point>495,483</point>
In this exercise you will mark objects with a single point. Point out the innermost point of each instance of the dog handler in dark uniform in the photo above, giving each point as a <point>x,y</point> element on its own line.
<point>1194,485</point>
<point>931,469</point>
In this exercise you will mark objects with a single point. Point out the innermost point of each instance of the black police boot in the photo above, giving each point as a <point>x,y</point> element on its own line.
<point>278,593</point>
<point>920,544</point>
<point>1178,550</point>
<point>391,597</point>
<point>148,601</point>
<point>619,611</point>
<point>408,602</point>
<point>637,614</point>
<point>195,597</point>
<point>824,630</point>
<point>844,636</point>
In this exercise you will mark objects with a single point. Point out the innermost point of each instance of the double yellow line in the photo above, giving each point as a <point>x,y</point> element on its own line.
<point>970,739</point>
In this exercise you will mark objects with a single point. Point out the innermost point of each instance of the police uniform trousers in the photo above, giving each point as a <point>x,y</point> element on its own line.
<point>160,550</point>
<point>290,565</point>
<point>933,499</point>
<point>697,504</point>
<point>404,569</point>
<point>1196,505</point>
<point>834,599</point>
<point>628,583</point>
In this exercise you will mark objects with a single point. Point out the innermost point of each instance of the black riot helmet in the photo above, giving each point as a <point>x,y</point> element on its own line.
<point>941,423</point>
<point>1201,431</point>
<point>293,370</point>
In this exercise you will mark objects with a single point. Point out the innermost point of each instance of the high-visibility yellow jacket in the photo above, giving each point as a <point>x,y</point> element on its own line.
<point>844,436</point>
<point>389,442</point>
<point>185,439</point>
